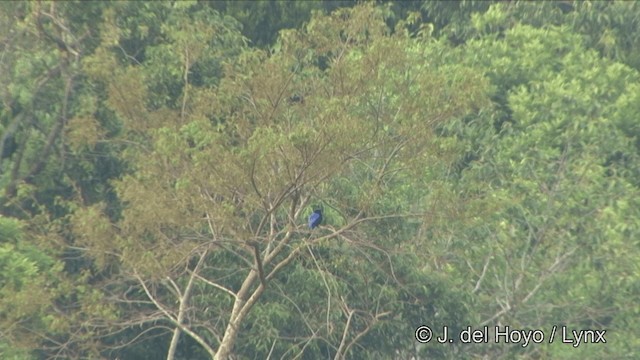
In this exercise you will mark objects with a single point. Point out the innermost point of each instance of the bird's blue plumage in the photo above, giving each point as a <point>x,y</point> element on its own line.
<point>315,219</point>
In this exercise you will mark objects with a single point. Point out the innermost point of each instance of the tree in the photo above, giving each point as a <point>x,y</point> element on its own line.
<point>162,170</point>
<point>222,185</point>
<point>554,165</point>
<point>262,20</point>
<point>610,27</point>
<point>66,149</point>
<point>28,279</point>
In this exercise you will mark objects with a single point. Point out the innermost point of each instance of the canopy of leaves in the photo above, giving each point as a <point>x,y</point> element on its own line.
<point>476,163</point>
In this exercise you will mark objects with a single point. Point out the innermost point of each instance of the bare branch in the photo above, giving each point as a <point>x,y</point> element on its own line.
<point>172,319</point>
<point>343,342</point>
<point>217,286</point>
<point>484,271</point>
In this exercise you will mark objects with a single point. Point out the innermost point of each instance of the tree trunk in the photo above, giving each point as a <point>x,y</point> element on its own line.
<point>174,344</point>
<point>241,308</point>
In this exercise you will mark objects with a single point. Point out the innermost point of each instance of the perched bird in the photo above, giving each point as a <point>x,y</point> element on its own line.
<point>315,219</point>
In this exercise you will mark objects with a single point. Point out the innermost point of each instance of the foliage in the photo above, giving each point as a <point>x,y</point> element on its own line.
<point>251,161</point>
<point>476,163</point>
<point>552,167</point>
<point>28,278</point>
<point>262,20</point>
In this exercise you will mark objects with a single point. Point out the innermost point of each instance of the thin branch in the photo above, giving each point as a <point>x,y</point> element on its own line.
<point>186,83</point>
<point>484,271</point>
<point>343,344</point>
<point>170,317</point>
<point>217,286</point>
<point>326,284</point>
<point>182,307</point>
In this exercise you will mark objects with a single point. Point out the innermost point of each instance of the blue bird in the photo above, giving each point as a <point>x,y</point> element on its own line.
<point>315,219</point>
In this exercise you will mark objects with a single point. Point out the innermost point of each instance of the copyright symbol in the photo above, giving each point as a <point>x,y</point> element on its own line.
<point>424,334</point>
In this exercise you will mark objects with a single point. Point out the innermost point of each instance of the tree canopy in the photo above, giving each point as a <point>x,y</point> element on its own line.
<point>475,163</point>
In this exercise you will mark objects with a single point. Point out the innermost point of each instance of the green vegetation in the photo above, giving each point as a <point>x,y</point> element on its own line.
<point>477,164</point>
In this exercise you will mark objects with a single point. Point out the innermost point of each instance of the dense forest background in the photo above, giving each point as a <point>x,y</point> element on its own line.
<point>477,164</point>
